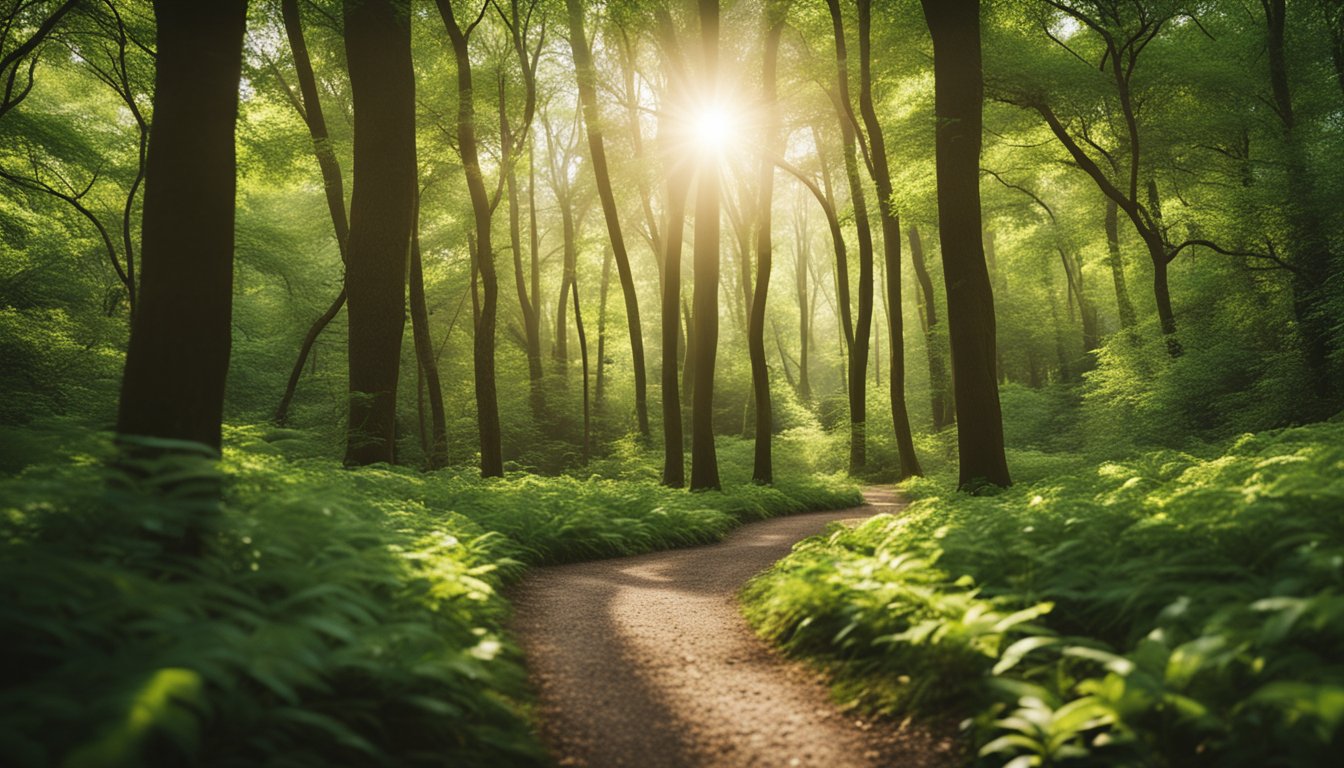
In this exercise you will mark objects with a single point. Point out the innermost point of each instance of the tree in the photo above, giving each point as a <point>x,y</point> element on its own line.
<point>763,466</point>
<point>678,177</point>
<point>856,335</point>
<point>942,406</point>
<point>178,356</point>
<point>309,106</point>
<point>483,347</point>
<point>958,105</point>
<point>891,246</point>
<point>704,460</point>
<point>437,453</point>
<point>382,211</point>
<point>587,83</point>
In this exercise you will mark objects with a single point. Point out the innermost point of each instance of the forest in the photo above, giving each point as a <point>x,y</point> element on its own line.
<point>709,382</point>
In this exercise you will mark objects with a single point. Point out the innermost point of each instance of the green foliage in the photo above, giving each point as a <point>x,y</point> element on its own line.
<point>1165,609</point>
<point>332,617</point>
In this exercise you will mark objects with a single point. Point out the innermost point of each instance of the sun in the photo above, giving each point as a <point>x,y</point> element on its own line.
<point>714,128</point>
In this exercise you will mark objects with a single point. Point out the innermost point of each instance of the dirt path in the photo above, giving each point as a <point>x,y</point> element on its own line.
<point>646,662</point>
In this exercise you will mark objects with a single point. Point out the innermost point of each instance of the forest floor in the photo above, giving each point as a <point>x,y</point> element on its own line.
<point>648,661</point>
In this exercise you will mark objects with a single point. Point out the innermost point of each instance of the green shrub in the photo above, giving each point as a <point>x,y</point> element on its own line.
<point>1164,609</point>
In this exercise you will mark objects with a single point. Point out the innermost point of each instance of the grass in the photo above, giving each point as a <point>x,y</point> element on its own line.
<point>335,617</point>
<point>1169,609</point>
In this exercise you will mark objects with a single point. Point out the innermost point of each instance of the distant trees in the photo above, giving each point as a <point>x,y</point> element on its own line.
<point>958,105</point>
<point>178,355</point>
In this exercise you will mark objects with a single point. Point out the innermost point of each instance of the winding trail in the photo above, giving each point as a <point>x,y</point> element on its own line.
<point>647,662</point>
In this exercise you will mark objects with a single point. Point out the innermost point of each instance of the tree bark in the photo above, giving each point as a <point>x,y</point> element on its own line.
<point>378,49</point>
<point>332,184</point>
<point>1310,255</point>
<point>763,465</point>
<point>891,250</point>
<point>1124,306</point>
<point>858,337</point>
<point>800,266</point>
<point>958,104</point>
<point>583,356</point>
<point>599,391</point>
<point>437,455</point>
<point>704,460</point>
<point>178,357</point>
<point>674,341</point>
<point>939,390</point>
<point>587,82</point>
<point>483,345</point>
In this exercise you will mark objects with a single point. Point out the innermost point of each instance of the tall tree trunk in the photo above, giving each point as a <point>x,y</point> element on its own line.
<point>704,460</point>
<point>1310,256</point>
<point>958,104</point>
<point>483,346</point>
<point>1087,312</point>
<point>599,391</point>
<point>763,465</point>
<point>1124,306</point>
<point>928,308</point>
<point>382,81</point>
<point>857,379</point>
<point>531,338</point>
<point>674,228</point>
<point>437,455</point>
<point>332,185</point>
<point>802,250</point>
<point>583,356</point>
<point>891,248</point>
<point>587,81</point>
<point>571,256</point>
<point>178,357</point>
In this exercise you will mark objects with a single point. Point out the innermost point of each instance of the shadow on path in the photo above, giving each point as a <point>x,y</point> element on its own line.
<point>647,661</point>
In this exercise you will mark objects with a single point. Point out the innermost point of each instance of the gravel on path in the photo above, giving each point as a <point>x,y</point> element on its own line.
<point>647,662</point>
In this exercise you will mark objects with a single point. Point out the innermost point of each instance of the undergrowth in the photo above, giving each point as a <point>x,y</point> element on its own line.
<point>1164,610</point>
<point>332,617</point>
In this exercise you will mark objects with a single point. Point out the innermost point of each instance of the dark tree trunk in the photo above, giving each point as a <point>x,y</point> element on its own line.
<point>891,249</point>
<point>178,357</point>
<point>1125,307</point>
<point>858,336</point>
<point>583,61</point>
<point>332,184</point>
<point>570,257</point>
<point>958,104</point>
<point>928,308</point>
<point>1310,256</point>
<point>599,392</point>
<point>583,356</point>
<point>674,227</point>
<point>483,345</point>
<point>800,268</point>
<point>704,460</point>
<point>1087,312</point>
<point>763,465</point>
<point>305,349</point>
<point>378,49</point>
<point>437,454</point>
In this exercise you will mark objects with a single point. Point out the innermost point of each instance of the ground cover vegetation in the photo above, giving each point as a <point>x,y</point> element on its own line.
<point>762,250</point>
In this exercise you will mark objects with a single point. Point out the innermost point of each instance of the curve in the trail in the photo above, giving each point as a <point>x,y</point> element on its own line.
<point>647,662</point>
